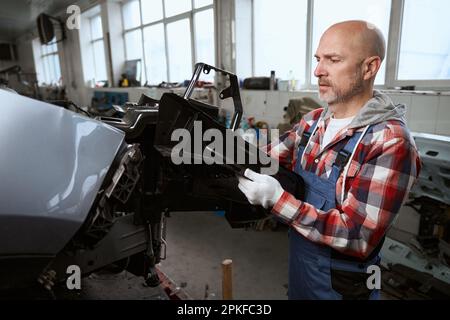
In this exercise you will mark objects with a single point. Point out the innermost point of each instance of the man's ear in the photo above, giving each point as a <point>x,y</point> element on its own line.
<point>371,67</point>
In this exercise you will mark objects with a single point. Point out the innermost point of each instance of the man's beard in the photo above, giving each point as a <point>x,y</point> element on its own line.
<point>340,96</point>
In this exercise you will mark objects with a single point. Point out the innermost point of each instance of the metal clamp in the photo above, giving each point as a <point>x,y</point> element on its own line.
<point>230,92</point>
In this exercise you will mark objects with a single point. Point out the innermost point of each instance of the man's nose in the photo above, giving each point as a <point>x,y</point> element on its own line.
<point>319,71</point>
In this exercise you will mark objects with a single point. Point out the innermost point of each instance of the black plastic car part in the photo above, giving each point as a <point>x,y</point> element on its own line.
<point>194,187</point>
<point>218,181</point>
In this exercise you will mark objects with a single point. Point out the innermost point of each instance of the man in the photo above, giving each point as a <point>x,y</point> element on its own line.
<point>358,162</point>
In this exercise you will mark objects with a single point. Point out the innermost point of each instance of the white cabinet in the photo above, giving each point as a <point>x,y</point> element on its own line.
<point>262,105</point>
<point>269,105</point>
<point>254,103</point>
<point>274,109</point>
<point>424,111</point>
<point>443,116</point>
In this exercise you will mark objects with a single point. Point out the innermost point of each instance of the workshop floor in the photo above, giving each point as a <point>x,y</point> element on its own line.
<point>199,242</point>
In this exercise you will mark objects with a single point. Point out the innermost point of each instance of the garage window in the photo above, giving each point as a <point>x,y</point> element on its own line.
<point>98,48</point>
<point>329,12</point>
<point>425,46</point>
<point>92,46</point>
<point>271,35</point>
<point>47,63</point>
<point>169,37</point>
<point>280,38</point>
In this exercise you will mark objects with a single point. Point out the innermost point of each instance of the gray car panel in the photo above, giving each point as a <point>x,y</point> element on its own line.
<point>52,164</point>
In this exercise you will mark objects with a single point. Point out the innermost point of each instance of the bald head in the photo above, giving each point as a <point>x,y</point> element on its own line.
<point>349,57</point>
<point>363,36</point>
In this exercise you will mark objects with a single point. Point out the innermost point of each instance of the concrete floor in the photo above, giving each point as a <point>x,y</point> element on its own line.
<point>199,242</point>
<point>197,245</point>
<point>105,285</point>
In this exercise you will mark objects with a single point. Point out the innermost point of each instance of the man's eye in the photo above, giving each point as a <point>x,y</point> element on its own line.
<point>334,60</point>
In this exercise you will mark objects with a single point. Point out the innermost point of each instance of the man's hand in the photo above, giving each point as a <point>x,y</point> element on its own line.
<point>260,189</point>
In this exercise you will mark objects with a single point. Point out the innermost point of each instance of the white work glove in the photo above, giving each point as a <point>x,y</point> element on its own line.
<point>260,189</point>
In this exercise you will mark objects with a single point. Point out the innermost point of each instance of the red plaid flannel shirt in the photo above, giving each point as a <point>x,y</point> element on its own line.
<point>379,177</point>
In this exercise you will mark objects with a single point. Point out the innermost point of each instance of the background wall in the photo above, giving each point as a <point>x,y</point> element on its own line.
<point>427,112</point>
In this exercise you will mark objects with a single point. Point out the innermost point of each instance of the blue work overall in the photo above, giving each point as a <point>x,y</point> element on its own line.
<point>312,266</point>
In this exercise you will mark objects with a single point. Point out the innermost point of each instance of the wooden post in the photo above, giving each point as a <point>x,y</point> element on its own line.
<point>227,279</point>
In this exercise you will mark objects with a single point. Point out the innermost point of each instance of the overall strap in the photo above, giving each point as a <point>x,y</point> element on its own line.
<point>305,140</point>
<point>345,153</point>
